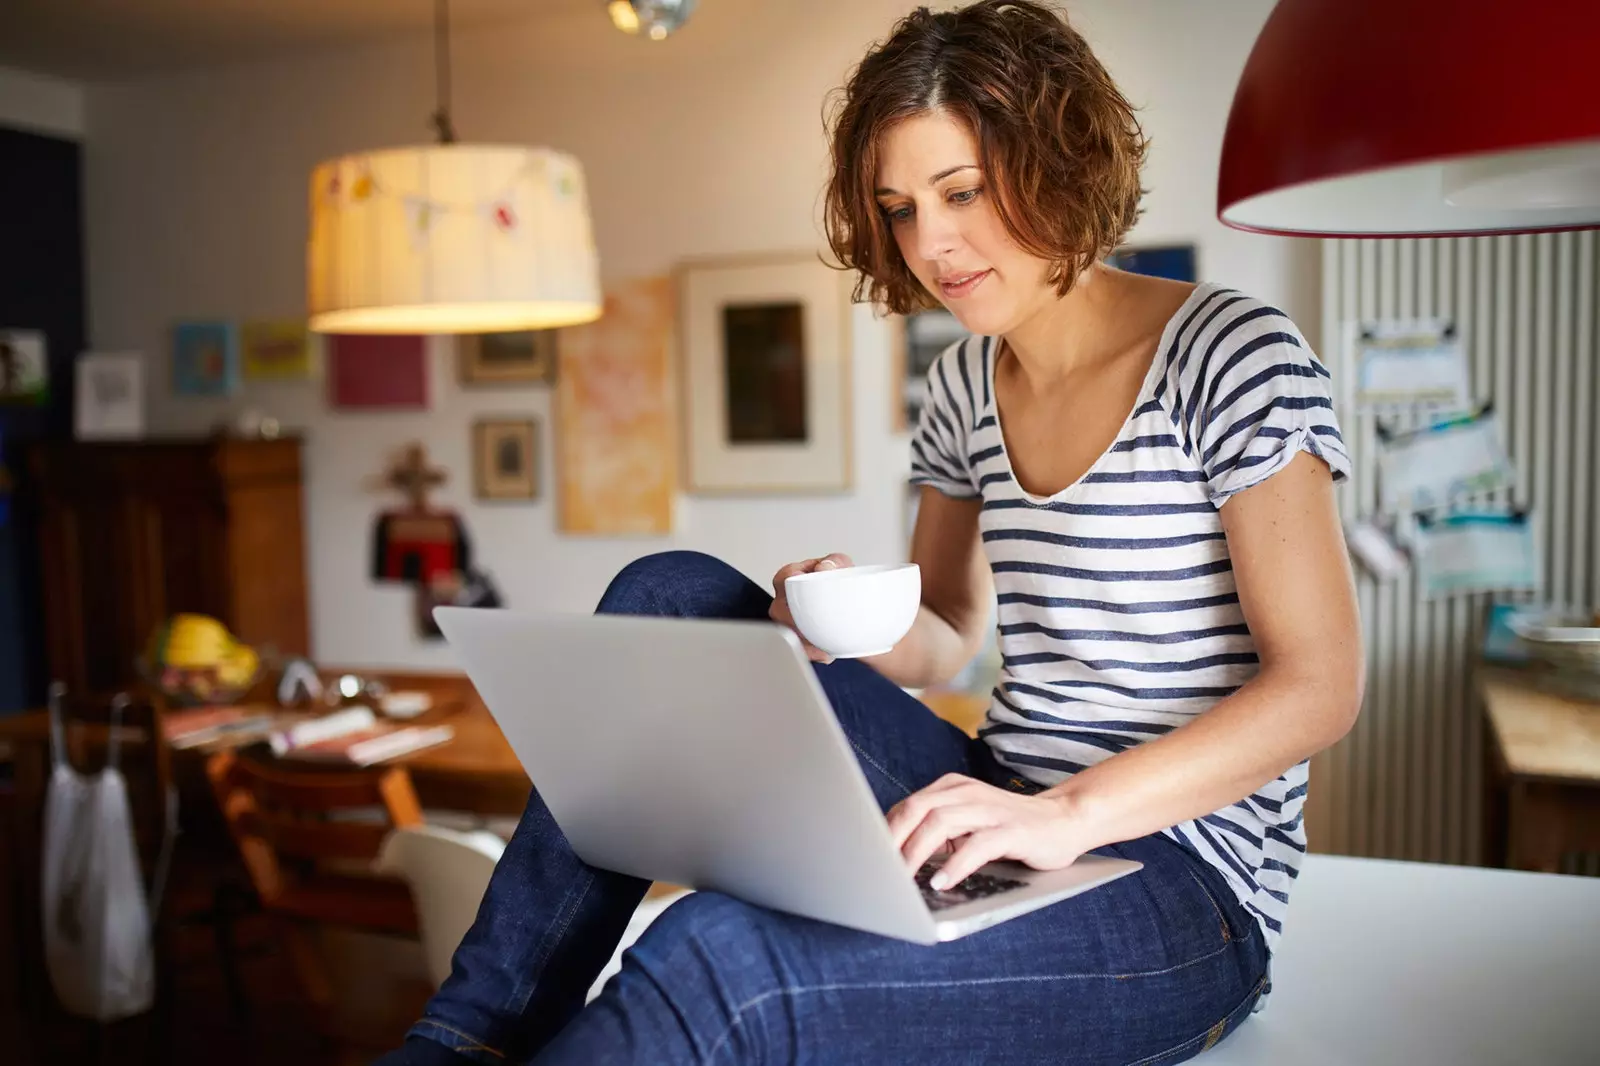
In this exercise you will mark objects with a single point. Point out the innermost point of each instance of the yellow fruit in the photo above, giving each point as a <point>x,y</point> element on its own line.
<point>195,640</point>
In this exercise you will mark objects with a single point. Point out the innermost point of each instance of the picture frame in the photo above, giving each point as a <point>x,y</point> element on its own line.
<point>916,341</point>
<point>1179,262</point>
<point>109,396</point>
<point>205,358</point>
<point>24,367</point>
<point>505,458</point>
<point>522,357</point>
<point>766,351</point>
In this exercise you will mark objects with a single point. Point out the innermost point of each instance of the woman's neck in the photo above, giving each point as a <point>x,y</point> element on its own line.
<point>1071,332</point>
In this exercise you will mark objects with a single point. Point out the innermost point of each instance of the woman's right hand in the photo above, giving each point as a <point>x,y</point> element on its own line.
<point>780,602</point>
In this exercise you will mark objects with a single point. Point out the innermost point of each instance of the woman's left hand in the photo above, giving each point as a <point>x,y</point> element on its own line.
<point>1040,830</point>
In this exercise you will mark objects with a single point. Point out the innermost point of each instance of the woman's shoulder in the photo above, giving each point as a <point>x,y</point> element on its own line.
<point>1221,331</point>
<point>959,375</point>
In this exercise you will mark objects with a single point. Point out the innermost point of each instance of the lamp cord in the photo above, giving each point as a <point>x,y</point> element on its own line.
<point>441,52</point>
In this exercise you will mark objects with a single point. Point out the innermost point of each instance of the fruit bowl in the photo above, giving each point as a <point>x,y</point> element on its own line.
<point>196,686</point>
<point>192,660</point>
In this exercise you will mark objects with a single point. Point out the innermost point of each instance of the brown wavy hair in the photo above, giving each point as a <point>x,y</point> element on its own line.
<point>1058,142</point>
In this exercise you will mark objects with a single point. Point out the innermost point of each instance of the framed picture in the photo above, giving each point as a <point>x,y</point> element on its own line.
<point>505,458</point>
<point>766,352</point>
<point>526,357</point>
<point>276,350</point>
<point>1175,261</point>
<point>109,402</point>
<point>24,372</point>
<point>205,359</point>
<point>615,424</point>
<point>917,341</point>
<point>377,371</point>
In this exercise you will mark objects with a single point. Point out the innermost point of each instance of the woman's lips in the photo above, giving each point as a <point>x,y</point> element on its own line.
<point>956,286</point>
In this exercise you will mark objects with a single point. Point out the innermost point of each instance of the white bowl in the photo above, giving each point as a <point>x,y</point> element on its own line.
<point>855,611</point>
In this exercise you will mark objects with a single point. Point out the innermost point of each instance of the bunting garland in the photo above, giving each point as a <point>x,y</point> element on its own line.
<point>345,188</point>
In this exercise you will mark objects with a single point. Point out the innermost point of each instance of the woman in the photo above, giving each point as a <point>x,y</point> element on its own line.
<point>1175,609</point>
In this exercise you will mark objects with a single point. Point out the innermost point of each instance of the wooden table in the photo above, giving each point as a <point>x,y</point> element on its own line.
<point>476,771</point>
<point>1542,772</point>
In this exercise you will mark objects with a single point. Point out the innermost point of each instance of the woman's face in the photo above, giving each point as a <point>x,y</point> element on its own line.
<point>940,209</point>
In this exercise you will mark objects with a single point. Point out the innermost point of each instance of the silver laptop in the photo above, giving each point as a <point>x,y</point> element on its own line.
<point>704,754</point>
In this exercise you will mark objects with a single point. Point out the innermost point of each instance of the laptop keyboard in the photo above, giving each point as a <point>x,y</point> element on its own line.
<point>973,887</point>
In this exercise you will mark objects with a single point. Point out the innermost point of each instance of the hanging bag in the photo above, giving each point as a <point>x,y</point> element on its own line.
<point>97,940</point>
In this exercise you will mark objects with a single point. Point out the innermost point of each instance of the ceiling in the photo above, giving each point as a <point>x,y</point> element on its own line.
<point>112,40</point>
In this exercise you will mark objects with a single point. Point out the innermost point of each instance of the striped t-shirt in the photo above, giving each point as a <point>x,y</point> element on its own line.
<point>1118,616</point>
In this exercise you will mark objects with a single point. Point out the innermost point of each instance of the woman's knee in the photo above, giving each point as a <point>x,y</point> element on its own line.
<point>683,584</point>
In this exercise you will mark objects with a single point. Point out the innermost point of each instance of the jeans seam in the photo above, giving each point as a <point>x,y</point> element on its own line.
<point>758,1000</point>
<point>520,1002</point>
<point>1207,1035</point>
<point>474,1043</point>
<point>870,761</point>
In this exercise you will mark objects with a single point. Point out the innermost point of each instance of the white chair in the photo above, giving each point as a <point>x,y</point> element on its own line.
<point>448,871</point>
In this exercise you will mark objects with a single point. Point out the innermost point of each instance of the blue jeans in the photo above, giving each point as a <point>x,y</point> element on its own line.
<point>1151,968</point>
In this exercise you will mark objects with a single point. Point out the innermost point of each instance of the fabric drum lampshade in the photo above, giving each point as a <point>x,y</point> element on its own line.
<point>450,238</point>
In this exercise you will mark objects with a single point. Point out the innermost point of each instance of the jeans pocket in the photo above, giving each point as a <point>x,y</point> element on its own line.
<point>1229,930</point>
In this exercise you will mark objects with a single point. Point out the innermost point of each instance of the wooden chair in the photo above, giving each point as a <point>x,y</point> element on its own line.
<point>309,860</point>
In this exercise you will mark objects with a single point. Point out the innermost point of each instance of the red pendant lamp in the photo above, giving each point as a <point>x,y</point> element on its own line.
<point>1366,118</point>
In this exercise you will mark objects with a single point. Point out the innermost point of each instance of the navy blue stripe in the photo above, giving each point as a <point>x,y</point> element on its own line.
<point>966,381</point>
<point>1295,793</point>
<point>986,364</point>
<point>1109,510</point>
<point>939,467</point>
<point>1144,477</point>
<point>999,477</point>
<point>1154,729</point>
<point>1280,867</point>
<point>1092,740</point>
<point>984,423</point>
<point>1181,636</point>
<point>1190,693</point>
<point>1066,540</point>
<point>1176,413</point>
<point>1283,838</point>
<point>1277,403</point>
<point>1149,440</point>
<point>986,454</point>
<point>1249,385</point>
<point>1235,828</point>
<point>1029,759</point>
<point>1227,856</point>
<point>1242,658</point>
<point>1149,407</point>
<point>1140,693</point>
<point>1147,607</point>
<point>1271,922</point>
<point>1281,897</point>
<point>1266,803</point>
<point>1219,566</point>
<point>1245,351</point>
<point>1260,414</point>
<point>1178,350</point>
<point>1203,375</point>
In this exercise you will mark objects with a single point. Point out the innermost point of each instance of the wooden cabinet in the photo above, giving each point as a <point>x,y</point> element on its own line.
<point>130,534</point>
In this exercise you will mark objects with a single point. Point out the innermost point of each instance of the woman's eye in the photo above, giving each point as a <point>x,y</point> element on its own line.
<point>899,214</point>
<point>965,196</point>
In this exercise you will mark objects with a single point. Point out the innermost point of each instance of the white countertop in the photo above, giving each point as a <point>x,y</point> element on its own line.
<point>1410,963</point>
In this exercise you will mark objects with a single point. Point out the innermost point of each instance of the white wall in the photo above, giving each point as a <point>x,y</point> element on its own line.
<point>39,104</point>
<point>709,144</point>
